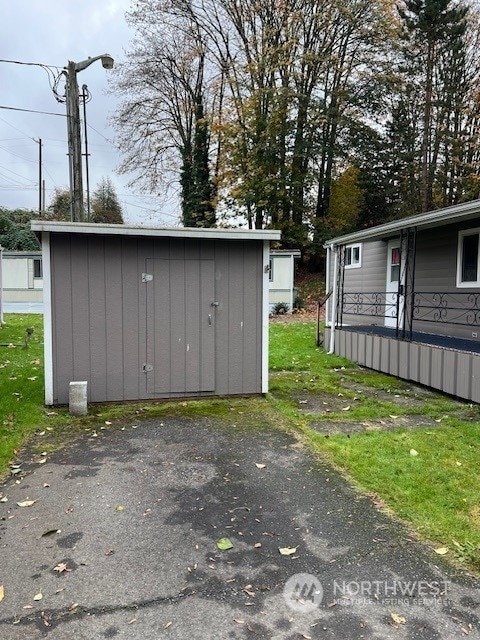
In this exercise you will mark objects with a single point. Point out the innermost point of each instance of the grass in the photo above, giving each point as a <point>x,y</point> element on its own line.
<point>436,492</point>
<point>21,383</point>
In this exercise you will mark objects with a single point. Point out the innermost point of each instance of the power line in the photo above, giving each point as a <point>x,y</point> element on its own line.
<point>16,128</point>
<point>16,155</point>
<point>45,113</point>
<point>35,64</point>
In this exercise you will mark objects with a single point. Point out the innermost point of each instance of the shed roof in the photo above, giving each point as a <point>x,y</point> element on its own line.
<point>296,253</point>
<point>38,226</point>
<point>449,215</point>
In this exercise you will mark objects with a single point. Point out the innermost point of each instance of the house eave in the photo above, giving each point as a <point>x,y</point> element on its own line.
<point>39,227</point>
<point>449,215</point>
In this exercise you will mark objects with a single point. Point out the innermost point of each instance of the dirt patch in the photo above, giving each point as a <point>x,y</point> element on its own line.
<point>333,427</point>
<point>404,397</point>
<point>320,404</point>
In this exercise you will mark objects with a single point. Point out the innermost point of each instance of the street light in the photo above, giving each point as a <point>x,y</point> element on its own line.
<point>74,138</point>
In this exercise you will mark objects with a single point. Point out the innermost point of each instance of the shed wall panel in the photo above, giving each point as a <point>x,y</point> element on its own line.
<point>101,316</point>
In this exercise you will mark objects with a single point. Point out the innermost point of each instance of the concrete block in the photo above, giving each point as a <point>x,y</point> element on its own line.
<point>77,398</point>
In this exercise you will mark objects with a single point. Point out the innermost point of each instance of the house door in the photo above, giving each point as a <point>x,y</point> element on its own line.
<point>181,312</point>
<point>392,285</point>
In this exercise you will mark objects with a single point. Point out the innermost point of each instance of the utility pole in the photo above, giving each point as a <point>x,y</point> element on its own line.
<point>41,200</point>
<point>85,133</point>
<point>74,145</point>
<point>77,213</point>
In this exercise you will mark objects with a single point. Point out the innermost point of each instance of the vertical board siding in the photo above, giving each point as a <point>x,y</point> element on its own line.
<point>131,284</point>
<point>209,348</point>
<point>80,311</point>
<point>251,323</point>
<point>97,388</point>
<point>103,316</point>
<point>62,318</point>
<point>114,318</point>
<point>236,307</point>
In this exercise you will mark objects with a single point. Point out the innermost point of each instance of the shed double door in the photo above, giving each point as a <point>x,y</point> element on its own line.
<point>181,312</point>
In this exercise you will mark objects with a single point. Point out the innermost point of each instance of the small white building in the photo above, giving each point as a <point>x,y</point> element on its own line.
<point>282,277</point>
<point>22,276</point>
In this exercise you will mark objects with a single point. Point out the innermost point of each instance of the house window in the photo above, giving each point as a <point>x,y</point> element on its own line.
<point>468,268</point>
<point>37,268</point>
<point>353,256</point>
<point>395,264</point>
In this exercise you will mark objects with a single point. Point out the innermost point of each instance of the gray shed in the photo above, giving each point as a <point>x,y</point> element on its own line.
<point>145,313</point>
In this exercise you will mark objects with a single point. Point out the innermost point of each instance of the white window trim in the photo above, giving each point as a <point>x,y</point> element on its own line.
<point>460,283</point>
<point>355,265</point>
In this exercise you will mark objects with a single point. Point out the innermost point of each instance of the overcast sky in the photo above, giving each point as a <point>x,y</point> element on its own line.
<point>52,32</point>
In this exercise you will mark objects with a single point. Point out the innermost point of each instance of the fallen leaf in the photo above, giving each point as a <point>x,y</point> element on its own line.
<point>224,544</point>
<point>61,567</point>
<point>26,503</point>
<point>441,551</point>
<point>260,466</point>
<point>119,508</point>
<point>50,532</point>
<point>2,592</point>
<point>393,417</point>
<point>413,452</point>
<point>398,619</point>
<point>257,545</point>
<point>169,624</point>
<point>42,461</point>
<point>4,499</point>
<point>107,422</point>
<point>37,596</point>
<point>15,471</point>
<point>287,551</point>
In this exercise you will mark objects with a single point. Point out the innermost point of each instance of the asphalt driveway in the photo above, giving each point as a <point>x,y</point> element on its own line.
<point>121,542</point>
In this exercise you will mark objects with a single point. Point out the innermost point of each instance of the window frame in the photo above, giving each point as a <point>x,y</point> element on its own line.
<point>471,284</point>
<point>351,247</point>
<point>37,261</point>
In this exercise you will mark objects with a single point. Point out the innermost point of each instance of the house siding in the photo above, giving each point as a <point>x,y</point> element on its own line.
<point>102,318</point>
<point>435,272</point>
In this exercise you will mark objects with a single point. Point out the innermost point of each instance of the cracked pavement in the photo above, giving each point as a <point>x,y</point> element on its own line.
<point>139,510</point>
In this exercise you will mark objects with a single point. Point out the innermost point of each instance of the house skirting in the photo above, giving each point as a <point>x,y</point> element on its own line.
<point>454,372</point>
<point>23,295</point>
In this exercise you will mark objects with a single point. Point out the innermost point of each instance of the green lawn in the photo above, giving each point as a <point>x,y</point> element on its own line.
<point>427,476</point>
<point>436,491</point>
<point>21,382</point>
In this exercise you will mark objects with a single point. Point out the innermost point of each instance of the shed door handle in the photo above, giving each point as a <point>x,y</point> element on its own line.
<point>210,319</point>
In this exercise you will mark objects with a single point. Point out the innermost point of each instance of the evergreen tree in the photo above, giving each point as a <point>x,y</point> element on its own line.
<point>433,30</point>
<point>197,188</point>
<point>59,207</point>
<point>105,205</point>
<point>15,232</point>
